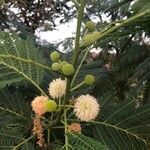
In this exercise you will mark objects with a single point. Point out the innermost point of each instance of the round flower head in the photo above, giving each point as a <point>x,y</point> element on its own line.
<point>89,79</point>
<point>57,88</point>
<point>64,63</point>
<point>38,105</point>
<point>90,25</point>
<point>86,107</point>
<point>88,39</point>
<point>74,127</point>
<point>50,106</point>
<point>54,56</point>
<point>96,34</point>
<point>68,69</point>
<point>56,66</point>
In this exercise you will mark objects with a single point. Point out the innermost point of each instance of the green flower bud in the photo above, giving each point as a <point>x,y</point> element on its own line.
<point>89,79</point>
<point>62,64</point>
<point>50,106</point>
<point>96,35</point>
<point>56,66</point>
<point>54,56</point>
<point>90,25</point>
<point>88,39</point>
<point>68,69</point>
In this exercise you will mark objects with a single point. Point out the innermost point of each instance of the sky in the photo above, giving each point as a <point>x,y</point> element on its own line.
<point>61,32</point>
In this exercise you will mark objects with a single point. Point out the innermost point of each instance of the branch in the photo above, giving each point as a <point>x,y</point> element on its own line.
<point>116,5</point>
<point>77,40</point>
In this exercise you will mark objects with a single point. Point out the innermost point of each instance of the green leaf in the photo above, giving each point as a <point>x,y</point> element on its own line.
<point>145,7</point>
<point>123,126</point>
<point>15,119</point>
<point>19,59</point>
<point>140,5</point>
<point>8,76</point>
<point>82,142</point>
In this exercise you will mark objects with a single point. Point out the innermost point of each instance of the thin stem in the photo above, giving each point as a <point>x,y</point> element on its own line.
<point>25,76</point>
<point>48,136</point>
<point>58,127</point>
<point>79,67</point>
<point>12,112</point>
<point>26,61</point>
<point>114,127</point>
<point>121,23</point>
<point>75,55</point>
<point>71,147</point>
<point>124,22</point>
<point>76,87</point>
<point>66,106</point>
<point>65,123</point>
<point>67,92</point>
<point>77,40</point>
<point>110,25</point>
<point>25,141</point>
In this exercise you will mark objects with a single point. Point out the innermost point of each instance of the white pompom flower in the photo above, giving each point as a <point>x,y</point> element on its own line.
<point>57,88</point>
<point>86,108</point>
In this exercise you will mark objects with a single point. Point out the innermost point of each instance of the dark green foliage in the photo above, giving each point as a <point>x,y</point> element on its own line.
<point>8,76</point>
<point>140,5</point>
<point>15,119</point>
<point>122,88</point>
<point>122,126</point>
<point>143,70</point>
<point>19,60</point>
<point>82,142</point>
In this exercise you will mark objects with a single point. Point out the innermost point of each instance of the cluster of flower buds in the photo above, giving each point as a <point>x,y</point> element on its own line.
<point>92,35</point>
<point>85,107</point>
<point>67,69</point>
<point>64,67</point>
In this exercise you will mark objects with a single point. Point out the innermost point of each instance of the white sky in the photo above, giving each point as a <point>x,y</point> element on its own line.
<point>61,32</point>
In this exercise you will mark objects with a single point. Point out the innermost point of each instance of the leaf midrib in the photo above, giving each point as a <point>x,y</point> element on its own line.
<point>26,60</point>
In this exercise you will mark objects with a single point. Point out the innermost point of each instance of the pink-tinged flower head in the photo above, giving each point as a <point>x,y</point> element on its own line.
<point>57,88</point>
<point>86,107</point>
<point>38,105</point>
<point>74,127</point>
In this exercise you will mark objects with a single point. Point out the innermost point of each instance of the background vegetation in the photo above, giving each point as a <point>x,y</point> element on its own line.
<point>122,69</point>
